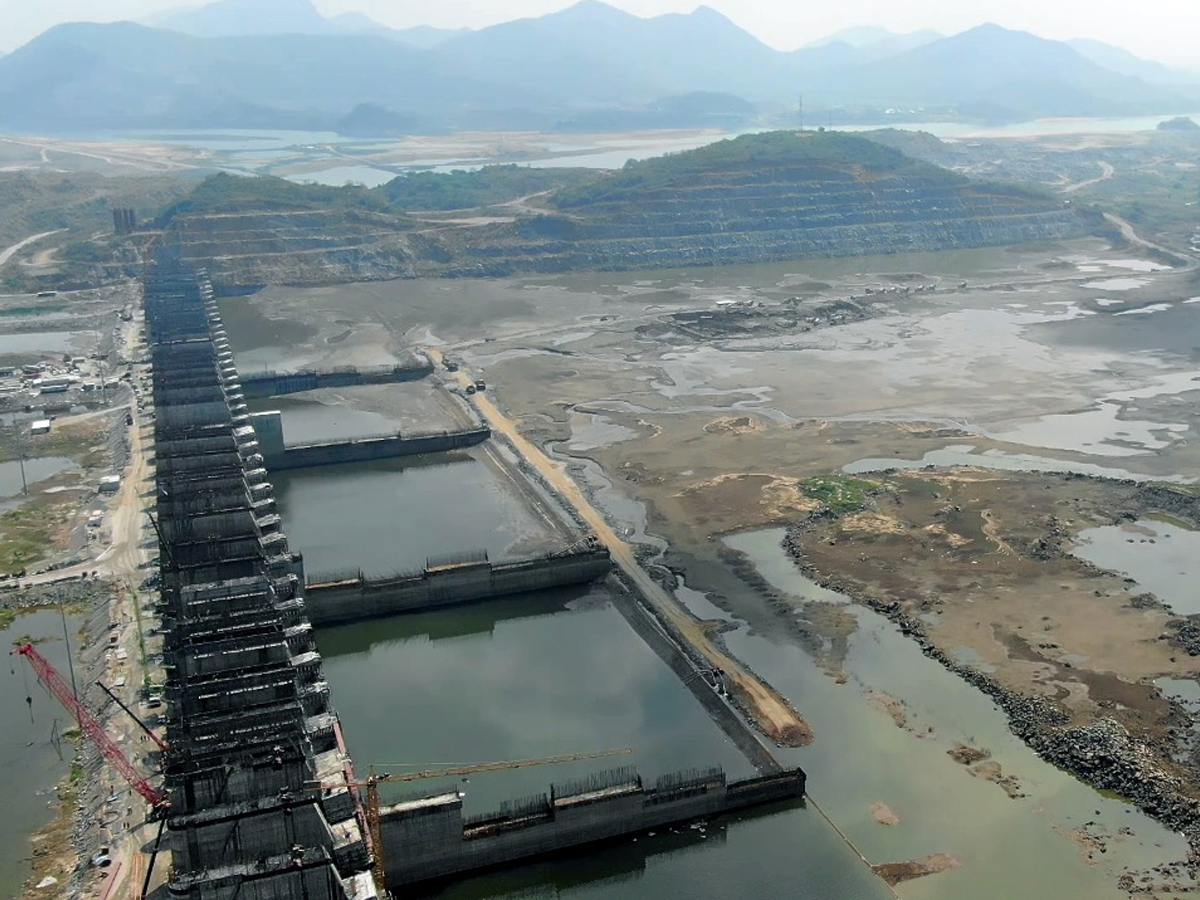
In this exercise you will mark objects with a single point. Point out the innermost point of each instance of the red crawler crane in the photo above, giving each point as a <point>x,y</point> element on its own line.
<point>62,692</point>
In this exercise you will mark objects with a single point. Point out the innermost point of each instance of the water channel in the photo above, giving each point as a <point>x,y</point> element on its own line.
<point>862,756</point>
<point>562,672</point>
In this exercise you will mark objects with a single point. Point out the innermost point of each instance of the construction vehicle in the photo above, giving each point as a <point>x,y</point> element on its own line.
<point>88,723</point>
<point>371,812</point>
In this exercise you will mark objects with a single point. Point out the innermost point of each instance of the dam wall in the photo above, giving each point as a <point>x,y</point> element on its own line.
<point>249,724</point>
<point>449,583</point>
<point>276,384</point>
<point>429,838</point>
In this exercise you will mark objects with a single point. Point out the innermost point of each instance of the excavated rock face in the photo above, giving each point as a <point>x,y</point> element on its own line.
<point>758,198</point>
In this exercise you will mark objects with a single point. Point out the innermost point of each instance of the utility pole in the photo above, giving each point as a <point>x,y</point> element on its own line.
<point>20,455</point>
<point>801,111</point>
<point>62,608</point>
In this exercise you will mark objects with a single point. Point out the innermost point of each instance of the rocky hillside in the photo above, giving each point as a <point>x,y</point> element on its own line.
<point>777,196</point>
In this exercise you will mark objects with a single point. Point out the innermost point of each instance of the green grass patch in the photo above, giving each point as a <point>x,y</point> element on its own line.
<point>27,532</point>
<point>840,493</point>
<point>1168,519</point>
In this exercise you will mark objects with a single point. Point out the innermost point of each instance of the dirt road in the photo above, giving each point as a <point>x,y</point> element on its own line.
<point>1106,172</point>
<point>7,254</point>
<point>769,709</point>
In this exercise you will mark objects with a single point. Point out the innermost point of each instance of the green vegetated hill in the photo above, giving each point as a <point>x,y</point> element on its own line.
<point>77,205</point>
<point>774,196</point>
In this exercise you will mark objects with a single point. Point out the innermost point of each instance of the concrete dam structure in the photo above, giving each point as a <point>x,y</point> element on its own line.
<point>249,725</point>
<point>448,582</point>
<point>278,455</point>
<point>263,803</point>
<point>276,384</point>
<point>429,838</point>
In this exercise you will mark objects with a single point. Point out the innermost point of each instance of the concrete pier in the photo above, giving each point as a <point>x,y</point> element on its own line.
<point>429,838</point>
<point>276,384</point>
<point>445,583</point>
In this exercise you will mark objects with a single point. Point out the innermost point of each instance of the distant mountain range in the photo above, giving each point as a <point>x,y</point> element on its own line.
<point>281,64</point>
<point>240,18</point>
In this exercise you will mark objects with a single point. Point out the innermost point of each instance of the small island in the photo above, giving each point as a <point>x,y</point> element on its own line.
<point>1179,123</point>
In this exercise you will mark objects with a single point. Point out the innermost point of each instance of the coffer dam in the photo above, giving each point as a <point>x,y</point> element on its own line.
<point>461,578</point>
<point>278,455</point>
<point>277,384</point>
<point>263,803</point>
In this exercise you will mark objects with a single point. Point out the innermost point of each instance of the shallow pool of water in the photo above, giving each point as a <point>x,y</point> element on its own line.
<point>12,482</point>
<point>966,455</point>
<point>589,431</point>
<point>30,766</point>
<point>391,515</point>
<point>47,342</point>
<point>1161,557</point>
<point>308,421</point>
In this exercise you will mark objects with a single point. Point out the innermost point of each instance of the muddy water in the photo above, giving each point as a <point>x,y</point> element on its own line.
<point>391,515</point>
<point>29,763</point>
<point>48,342</point>
<point>558,673</point>
<point>11,480</point>
<point>307,421</point>
<point>861,756</point>
<point>1161,557</point>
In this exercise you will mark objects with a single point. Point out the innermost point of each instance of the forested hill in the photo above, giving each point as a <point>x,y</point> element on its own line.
<point>772,196</point>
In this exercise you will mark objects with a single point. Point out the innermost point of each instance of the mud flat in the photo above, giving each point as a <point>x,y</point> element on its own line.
<point>977,567</point>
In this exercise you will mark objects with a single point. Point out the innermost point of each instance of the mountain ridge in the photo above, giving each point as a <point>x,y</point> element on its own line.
<point>588,63</point>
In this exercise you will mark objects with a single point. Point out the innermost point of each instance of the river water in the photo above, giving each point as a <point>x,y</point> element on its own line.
<point>861,757</point>
<point>29,760</point>
<point>556,673</point>
<point>530,676</point>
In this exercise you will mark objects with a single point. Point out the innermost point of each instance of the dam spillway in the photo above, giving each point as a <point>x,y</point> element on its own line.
<point>249,725</point>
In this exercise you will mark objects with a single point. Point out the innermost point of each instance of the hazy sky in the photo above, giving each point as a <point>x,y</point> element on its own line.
<point>1158,29</point>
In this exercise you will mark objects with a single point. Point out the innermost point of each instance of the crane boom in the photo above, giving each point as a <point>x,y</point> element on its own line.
<point>62,692</point>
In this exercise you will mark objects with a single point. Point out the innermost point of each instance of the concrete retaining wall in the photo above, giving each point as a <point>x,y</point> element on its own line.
<point>362,598</point>
<point>303,456</point>
<point>275,384</point>
<point>429,839</point>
